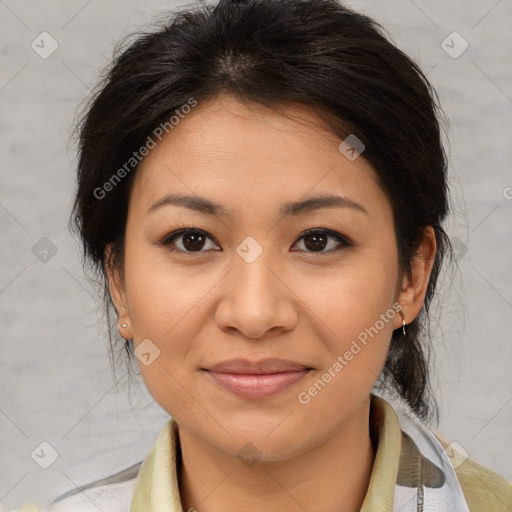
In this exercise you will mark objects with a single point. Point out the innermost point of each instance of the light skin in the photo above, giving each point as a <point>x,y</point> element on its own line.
<point>296,301</point>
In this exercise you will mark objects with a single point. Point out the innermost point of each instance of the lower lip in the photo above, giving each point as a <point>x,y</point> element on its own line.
<point>257,387</point>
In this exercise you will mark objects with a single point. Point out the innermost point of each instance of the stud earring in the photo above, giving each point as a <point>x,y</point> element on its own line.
<point>124,325</point>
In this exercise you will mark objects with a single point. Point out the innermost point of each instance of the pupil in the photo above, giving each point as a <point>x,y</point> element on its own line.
<point>196,241</point>
<point>318,241</point>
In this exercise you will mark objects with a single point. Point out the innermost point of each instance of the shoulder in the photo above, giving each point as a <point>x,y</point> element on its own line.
<point>111,494</point>
<point>483,489</point>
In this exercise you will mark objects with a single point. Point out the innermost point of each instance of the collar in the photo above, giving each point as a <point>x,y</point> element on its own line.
<point>401,473</point>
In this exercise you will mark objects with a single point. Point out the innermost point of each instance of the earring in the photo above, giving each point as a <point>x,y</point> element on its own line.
<point>403,322</point>
<point>124,325</point>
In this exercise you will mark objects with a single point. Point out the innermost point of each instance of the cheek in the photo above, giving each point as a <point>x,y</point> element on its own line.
<point>352,296</point>
<point>163,308</point>
<point>356,337</point>
<point>356,317</point>
<point>162,296</point>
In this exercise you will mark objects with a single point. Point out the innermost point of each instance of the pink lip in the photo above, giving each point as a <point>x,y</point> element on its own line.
<point>255,380</point>
<point>257,386</point>
<point>248,367</point>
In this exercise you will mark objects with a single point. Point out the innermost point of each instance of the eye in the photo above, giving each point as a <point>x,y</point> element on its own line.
<point>316,240</point>
<point>192,240</point>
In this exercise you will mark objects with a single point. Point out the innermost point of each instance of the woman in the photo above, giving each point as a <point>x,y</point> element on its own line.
<point>262,187</point>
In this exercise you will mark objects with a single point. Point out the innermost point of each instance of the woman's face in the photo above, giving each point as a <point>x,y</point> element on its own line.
<point>251,285</point>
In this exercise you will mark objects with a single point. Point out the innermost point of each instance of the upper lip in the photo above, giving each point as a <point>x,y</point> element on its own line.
<point>264,366</point>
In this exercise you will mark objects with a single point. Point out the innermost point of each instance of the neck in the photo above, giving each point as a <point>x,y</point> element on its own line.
<point>333,476</point>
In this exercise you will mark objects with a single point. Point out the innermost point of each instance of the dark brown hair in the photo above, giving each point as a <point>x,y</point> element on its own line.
<point>273,52</point>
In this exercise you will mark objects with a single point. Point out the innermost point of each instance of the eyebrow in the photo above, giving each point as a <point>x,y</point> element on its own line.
<point>208,207</point>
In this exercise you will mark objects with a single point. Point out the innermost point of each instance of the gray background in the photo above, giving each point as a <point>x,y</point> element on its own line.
<point>56,381</point>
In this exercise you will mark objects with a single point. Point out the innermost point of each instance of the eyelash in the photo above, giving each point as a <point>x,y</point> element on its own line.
<point>168,240</point>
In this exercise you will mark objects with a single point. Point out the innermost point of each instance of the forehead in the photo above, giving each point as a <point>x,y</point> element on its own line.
<point>249,154</point>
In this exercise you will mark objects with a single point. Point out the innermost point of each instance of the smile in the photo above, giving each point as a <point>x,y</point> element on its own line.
<point>256,386</point>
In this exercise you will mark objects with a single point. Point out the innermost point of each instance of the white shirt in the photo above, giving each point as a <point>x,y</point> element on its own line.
<point>107,498</point>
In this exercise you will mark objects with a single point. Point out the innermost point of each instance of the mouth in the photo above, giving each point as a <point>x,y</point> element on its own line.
<point>256,380</point>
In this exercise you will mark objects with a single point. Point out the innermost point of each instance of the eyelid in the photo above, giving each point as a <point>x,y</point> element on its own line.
<point>344,242</point>
<point>169,238</point>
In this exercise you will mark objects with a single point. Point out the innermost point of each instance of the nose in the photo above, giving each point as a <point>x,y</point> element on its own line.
<point>256,300</point>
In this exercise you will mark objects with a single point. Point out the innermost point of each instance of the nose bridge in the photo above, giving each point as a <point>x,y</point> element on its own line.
<point>252,272</point>
<point>255,300</point>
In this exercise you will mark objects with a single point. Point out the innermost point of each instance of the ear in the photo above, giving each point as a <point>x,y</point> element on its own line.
<point>117,293</point>
<point>414,286</point>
